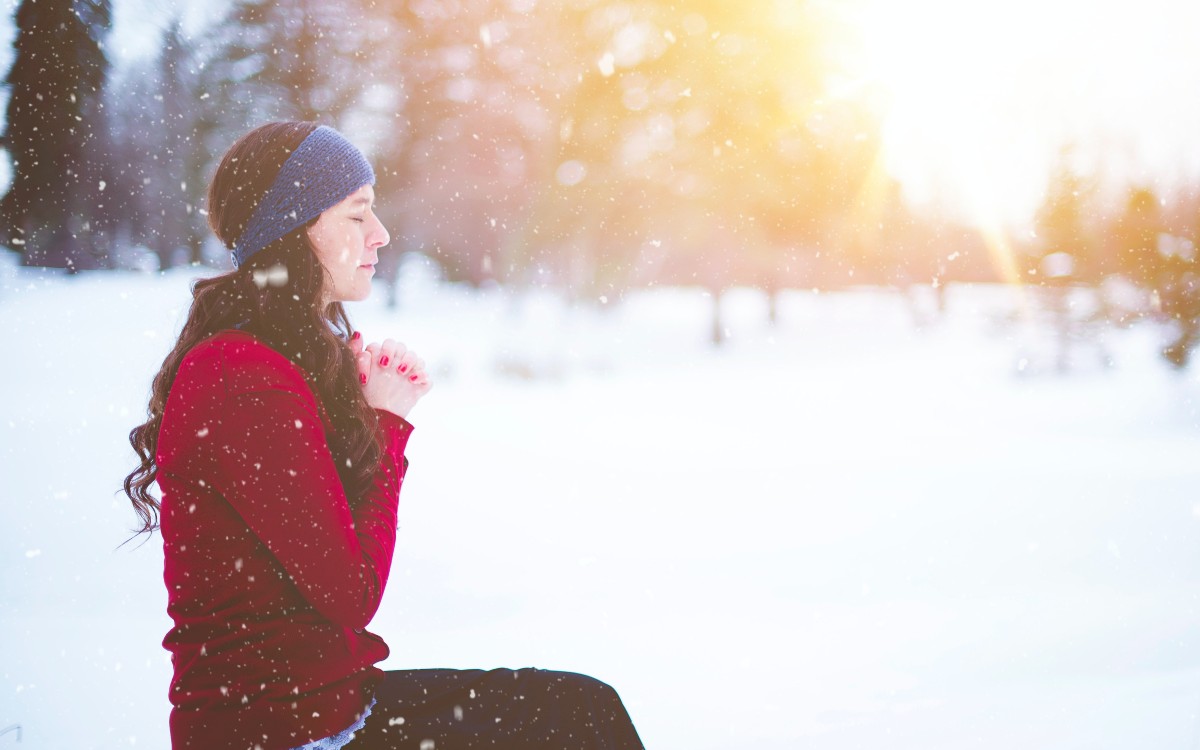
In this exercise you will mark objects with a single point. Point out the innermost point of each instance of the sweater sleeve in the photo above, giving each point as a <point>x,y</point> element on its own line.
<point>279,475</point>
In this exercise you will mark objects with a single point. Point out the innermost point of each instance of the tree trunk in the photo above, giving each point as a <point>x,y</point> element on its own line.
<point>718,330</point>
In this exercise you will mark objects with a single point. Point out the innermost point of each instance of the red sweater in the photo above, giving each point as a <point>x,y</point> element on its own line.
<point>272,573</point>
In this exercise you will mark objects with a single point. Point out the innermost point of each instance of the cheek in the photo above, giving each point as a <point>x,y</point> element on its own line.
<point>335,249</point>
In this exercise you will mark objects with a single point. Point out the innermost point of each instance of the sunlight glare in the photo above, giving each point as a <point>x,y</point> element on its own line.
<point>977,98</point>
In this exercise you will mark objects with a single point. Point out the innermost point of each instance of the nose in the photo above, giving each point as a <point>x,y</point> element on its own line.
<point>378,235</point>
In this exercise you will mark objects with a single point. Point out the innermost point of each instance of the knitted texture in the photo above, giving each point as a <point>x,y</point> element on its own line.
<point>320,173</point>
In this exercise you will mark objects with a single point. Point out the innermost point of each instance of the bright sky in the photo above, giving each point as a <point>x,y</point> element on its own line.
<point>980,95</point>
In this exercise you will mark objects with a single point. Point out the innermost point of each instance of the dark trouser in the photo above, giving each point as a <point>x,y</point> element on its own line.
<point>526,709</point>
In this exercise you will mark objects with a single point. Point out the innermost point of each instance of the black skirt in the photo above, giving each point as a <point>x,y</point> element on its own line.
<point>529,709</point>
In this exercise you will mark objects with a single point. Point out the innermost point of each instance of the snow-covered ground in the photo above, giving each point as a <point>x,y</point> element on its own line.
<point>846,531</point>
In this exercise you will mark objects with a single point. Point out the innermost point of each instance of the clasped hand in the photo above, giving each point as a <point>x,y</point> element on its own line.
<point>392,376</point>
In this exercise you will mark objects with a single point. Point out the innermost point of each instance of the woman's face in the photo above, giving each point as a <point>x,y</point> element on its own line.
<point>346,239</point>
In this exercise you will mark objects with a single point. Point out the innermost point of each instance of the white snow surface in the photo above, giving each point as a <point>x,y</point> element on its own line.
<point>854,529</point>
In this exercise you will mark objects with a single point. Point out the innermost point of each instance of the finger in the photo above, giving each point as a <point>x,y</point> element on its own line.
<point>405,365</point>
<point>356,343</point>
<point>388,354</point>
<point>395,352</point>
<point>417,370</point>
<point>363,361</point>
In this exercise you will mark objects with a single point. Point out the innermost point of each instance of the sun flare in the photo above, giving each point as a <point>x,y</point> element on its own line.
<point>977,98</point>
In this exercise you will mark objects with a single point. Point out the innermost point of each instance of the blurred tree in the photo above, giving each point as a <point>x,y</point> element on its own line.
<point>298,60</point>
<point>184,151</point>
<point>1178,279</point>
<point>1180,300</point>
<point>55,133</point>
<point>471,79</point>
<point>1062,223</point>
<point>133,148</point>
<point>263,61</point>
<point>583,143</point>
<point>1136,234</point>
<point>1066,255</point>
<point>158,152</point>
<point>695,146</point>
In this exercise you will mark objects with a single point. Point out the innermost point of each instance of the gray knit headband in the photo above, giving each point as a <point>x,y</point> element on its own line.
<point>320,173</point>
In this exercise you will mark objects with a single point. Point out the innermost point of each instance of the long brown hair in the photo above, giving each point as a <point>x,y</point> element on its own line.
<point>276,295</point>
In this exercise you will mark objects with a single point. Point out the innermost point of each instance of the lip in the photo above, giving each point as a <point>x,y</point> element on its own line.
<point>369,266</point>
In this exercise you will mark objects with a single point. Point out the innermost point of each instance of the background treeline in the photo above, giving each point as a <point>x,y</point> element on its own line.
<point>591,145</point>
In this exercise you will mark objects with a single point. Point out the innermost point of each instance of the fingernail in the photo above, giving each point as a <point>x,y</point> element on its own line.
<point>403,368</point>
<point>383,361</point>
<point>363,377</point>
<point>355,336</point>
<point>412,377</point>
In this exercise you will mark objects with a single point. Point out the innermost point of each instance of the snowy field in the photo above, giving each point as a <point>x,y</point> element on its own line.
<point>849,531</point>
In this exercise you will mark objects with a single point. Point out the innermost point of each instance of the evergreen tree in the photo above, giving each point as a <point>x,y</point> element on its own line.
<point>56,134</point>
<point>178,189</point>
<point>300,60</point>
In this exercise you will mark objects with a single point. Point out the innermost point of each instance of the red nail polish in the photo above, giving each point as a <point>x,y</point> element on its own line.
<point>383,361</point>
<point>403,368</point>
<point>412,377</point>
<point>355,336</point>
<point>363,377</point>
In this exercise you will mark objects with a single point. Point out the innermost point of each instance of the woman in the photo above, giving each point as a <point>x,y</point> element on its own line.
<point>277,440</point>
